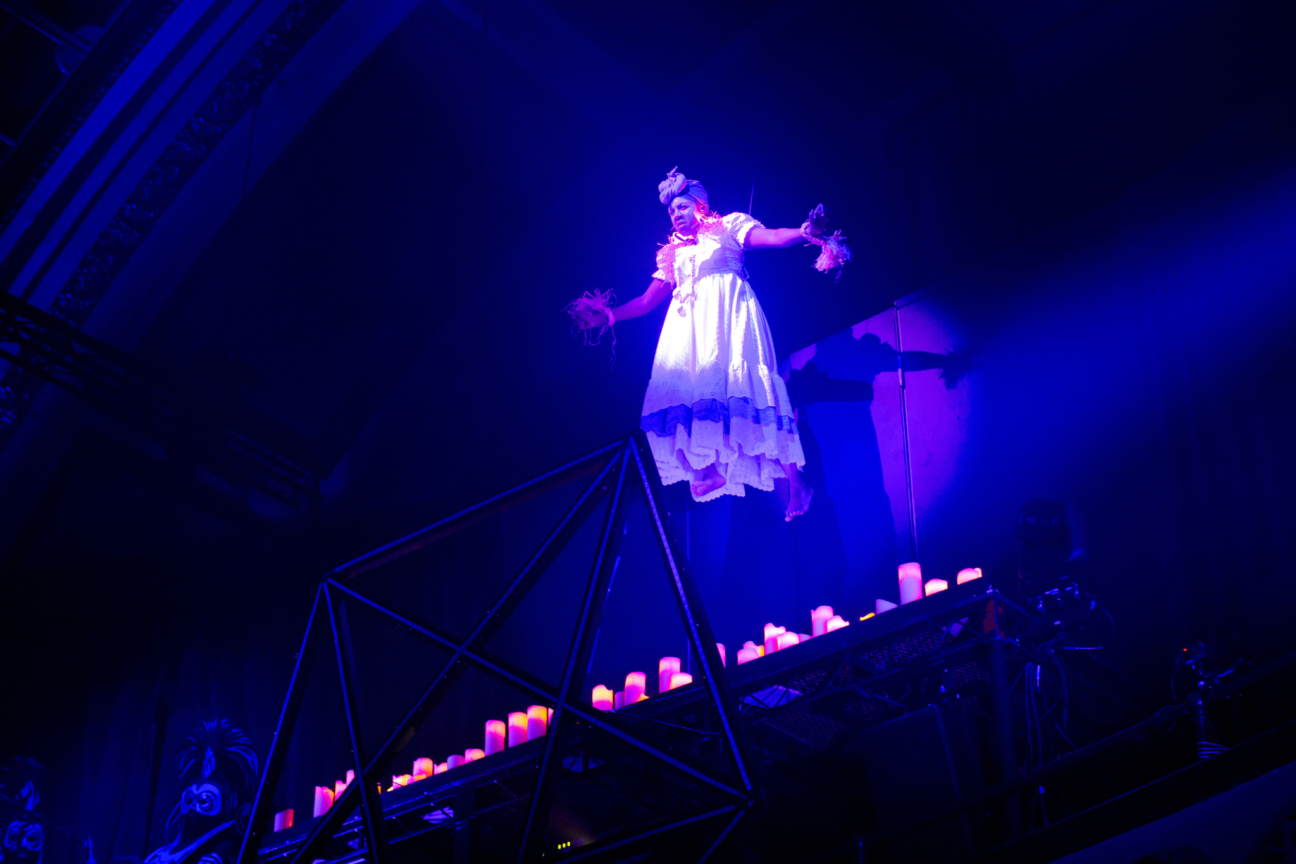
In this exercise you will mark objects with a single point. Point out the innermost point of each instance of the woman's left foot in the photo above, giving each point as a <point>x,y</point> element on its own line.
<point>799,494</point>
<point>711,481</point>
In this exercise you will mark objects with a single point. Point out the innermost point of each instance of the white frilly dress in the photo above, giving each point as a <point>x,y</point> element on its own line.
<point>715,395</point>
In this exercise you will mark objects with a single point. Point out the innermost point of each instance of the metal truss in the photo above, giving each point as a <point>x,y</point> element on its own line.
<point>112,382</point>
<point>617,469</point>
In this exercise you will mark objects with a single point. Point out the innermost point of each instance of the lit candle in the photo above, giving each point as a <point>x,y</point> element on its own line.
<point>935,586</point>
<point>441,768</point>
<point>786,640</point>
<point>472,754</point>
<point>819,619</point>
<point>967,574</point>
<point>746,655</point>
<point>720,648</point>
<point>323,801</point>
<point>454,761</point>
<point>880,606</point>
<point>602,698</point>
<point>495,732</point>
<point>517,723</point>
<point>836,622</point>
<point>548,717</point>
<point>400,780</point>
<point>636,686</point>
<point>679,679</point>
<point>537,721</point>
<point>618,700</point>
<point>350,775</point>
<point>911,582</point>
<point>283,819</point>
<point>666,667</point>
<point>771,637</point>
<point>338,788</point>
<point>423,767</point>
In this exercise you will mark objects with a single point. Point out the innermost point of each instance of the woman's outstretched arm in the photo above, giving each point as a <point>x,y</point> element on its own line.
<point>771,238</point>
<point>656,292</point>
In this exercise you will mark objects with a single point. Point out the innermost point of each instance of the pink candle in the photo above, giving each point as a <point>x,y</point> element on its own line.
<point>400,780</point>
<point>786,640</point>
<point>323,801</point>
<point>819,620</point>
<point>548,717</point>
<point>517,733</point>
<point>771,637</point>
<point>880,606</point>
<point>602,698</point>
<point>618,700</point>
<point>423,767</point>
<point>911,582</point>
<point>472,754</point>
<point>283,819</point>
<point>636,686</point>
<point>836,622</point>
<point>495,734</point>
<point>967,574</point>
<point>679,679</point>
<point>759,649</point>
<point>441,768</point>
<point>666,667</point>
<point>454,761</point>
<point>339,787</point>
<point>720,648</point>
<point>935,586</point>
<point>537,721</point>
<point>748,653</point>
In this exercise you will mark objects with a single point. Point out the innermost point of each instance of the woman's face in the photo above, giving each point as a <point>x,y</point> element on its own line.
<point>686,213</point>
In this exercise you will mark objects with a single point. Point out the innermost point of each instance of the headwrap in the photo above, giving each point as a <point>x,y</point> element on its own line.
<point>676,184</point>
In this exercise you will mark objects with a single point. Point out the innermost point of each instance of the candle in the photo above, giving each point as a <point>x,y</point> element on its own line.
<point>868,616</point>
<point>967,574</point>
<point>517,728</point>
<point>771,636</point>
<point>495,732</point>
<point>602,698</point>
<point>423,767</point>
<point>786,640</point>
<point>720,648</point>
<point>537,721</point>
<point>666,667</point>
<point>636,686</point>
<point>679,679</point>
<point>760,649</point>
<point>454,761</point>
<point>472,754</point>
<point>350,775</point>
<point>283,819</point>
<point>935,586</point>
<point>819,619</point>
<point>911,582</point>
<point>880,606</point>
<point>548,717</point>
<point>618,700</point>
<point>836,622</point>
<point>441,768</point>
<point>338,788</point>
<point>323,801</point>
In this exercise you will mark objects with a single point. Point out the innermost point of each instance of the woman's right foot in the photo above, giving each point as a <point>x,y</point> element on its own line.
<point>710,481</point>
<point>799,494</point>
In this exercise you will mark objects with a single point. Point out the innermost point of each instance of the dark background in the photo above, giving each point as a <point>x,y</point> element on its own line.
<point>1095,199</point>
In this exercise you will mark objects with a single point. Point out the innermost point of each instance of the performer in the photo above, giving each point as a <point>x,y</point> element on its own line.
<point>716,412</point>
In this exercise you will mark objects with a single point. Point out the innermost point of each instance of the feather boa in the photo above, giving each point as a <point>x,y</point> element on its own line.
<point>590,302</point>
<point>833,253</point>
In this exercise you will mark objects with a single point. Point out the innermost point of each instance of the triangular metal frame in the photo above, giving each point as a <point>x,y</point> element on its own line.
<point>627,461</point>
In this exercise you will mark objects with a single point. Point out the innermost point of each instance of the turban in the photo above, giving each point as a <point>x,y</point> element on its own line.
<point>677,184</point>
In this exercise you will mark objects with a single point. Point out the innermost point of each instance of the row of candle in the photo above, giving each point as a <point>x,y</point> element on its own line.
<point>913,588</point>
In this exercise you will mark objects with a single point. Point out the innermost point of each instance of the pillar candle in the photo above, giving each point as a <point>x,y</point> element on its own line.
<point>803,637</point>
<point>880,606</point>
<point>339,787</point>
<point>836,622</point>
<point>423,767</point>
<point>495,734</point>
<point>454,761</point>
<point>819,619</point>
<point>967,574</point>
<point>618,700</point>
<point>323,801</point>
<point>666,667</point>
<point>517,728</point>
<point>602,698</point>
<point>786,640</point>
<point>747,653</point>
<point>441,768</point>
<point>283,819</point>
<point>636,686</point>
<point>472,754</point>
<point>399,780</point>
<point>720,648</point>
<point>548,717</point>
<point>760,649</point>
<point>935,586</point>
<point>911,582</point>
<point>679,679</point>
<point>771,637</point>
<point>537,721</point>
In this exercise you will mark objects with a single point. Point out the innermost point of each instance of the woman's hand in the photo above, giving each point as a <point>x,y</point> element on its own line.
<point>589,319</point>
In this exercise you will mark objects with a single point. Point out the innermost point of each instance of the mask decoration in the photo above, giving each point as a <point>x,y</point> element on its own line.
<point>23,841</point>
<point>218,770</point>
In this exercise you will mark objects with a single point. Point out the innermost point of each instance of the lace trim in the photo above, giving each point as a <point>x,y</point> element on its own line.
<point>665,421</point>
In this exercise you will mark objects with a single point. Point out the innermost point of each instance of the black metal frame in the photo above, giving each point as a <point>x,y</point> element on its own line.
<point>614,466</point>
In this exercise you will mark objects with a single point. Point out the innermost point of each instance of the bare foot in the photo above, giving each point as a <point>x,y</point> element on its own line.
<point>799,494</point>
<point>710,481</point>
